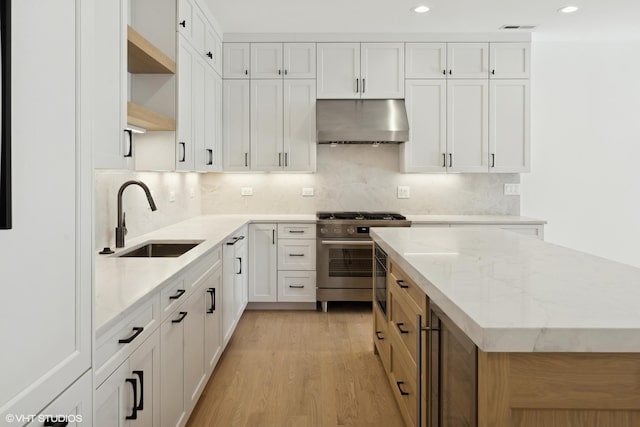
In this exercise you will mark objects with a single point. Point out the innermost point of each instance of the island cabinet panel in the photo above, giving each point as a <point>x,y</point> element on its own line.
<point>558,389</point>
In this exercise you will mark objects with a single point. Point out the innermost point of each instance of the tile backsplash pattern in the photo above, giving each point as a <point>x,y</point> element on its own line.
<point>140,219</point>
<point>359,177</point>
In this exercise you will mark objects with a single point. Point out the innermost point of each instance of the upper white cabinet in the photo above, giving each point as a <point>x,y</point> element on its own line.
<point>509,126</point>
<point>236,61</point>
<point>190,96</point>
<point>355,70</point>
<point>266,125</point>
<point>283,60</point>
<point>213,50</point>
<point>236,125</point>
<point>510,60</point>
<point>468,60</point>
<point>299,145</point>
<point>426,60</point>
<point>266,61</point>
<point>208,156</point>
<point>299,60</point>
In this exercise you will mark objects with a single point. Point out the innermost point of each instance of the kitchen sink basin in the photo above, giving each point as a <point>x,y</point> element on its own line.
<point>160,250</point>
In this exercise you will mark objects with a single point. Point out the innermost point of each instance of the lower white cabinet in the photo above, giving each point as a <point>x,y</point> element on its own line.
<point>235,282</point>
<point>173,411</point>
<point>263,256</point>
<point>72,407</point>
<point>296,254</point>
<point>297,286</point>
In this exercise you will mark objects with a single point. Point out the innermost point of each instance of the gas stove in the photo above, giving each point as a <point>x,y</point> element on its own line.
<point>356,224</point>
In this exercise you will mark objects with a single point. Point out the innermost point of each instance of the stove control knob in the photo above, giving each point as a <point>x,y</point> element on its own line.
<point>351,230</point>
<point>323,230</point>
<point>336,230</point>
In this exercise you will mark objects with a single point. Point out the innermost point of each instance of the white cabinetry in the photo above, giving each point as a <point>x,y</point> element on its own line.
<point>266,125</point>
<point>266,61</point>
<point>299,61</point>
<point>236,127</point>
<point>360,70</point>
<point>235,282</point>
<point>209,153</point>
<point>236,60</point>
<point>509,60</point>
<point>173,412</point>
<point>189,71</point>
<point>299,145</point>
<point>73,406</point>
<point>263,274</point>
<point>283,60</point>
<point>509,126</point>
<point>468,60</point>
<point>426,60</point>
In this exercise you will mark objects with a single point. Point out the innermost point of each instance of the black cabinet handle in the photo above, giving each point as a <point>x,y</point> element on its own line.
<point>246,72</point>
<point>357,85</point>
<point>296,286</point>
<point>240,270</point>
<point>493,72</point>
<point>296,231</point>
<point>363,86</point>
<point>279,159</point>
<point>212,292</point>
<point>378,336</point>
<point>210,55</point>
<point>136,331</point>
<point>140,375</point>
<point>449,72</point>
<point>183,23</point>
<point>134,409</point>
<point>444,160</point>
<point>246,159</point>
<point>450,160</point>
<point>286,160</point>
<point>402,392</point>
<point>183,145</point>
<point>279,72</point>
<point>493,160</point>
<point>399,326</point>
<point>55,422</point>
<point>444,72</point>
<point>210,152</point>
<point>178,294</point>
<point>400,283</point>
<point>296,254</point>
<point>285,72</point>
<point>129,153</point>
<point>273,236</point>
<point>183,314</point>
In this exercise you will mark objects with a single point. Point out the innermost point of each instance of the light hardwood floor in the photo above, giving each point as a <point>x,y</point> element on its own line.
<point>299,368</point>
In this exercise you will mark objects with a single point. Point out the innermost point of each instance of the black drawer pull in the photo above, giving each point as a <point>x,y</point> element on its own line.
<point>134,408</point>
<point>178,294</point>
<point>140,375</point>
<point>296,254</point>
<point>296,231</point>
<point>212,308</point>
<point>57,421</point>
<point>402,392</point>
<point>400,283</point>
<point>296,286</point>
<point>137,330</point>
<point>183,314</point>
<point>378,335</point>
<point>399,326</point>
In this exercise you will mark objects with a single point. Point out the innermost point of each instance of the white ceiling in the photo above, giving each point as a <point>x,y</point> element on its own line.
<point>596,19</point>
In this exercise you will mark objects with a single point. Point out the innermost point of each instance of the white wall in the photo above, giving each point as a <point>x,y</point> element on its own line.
<point>586,146</point>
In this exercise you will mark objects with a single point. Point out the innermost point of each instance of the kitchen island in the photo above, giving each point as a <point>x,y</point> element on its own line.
<point>556,332</point>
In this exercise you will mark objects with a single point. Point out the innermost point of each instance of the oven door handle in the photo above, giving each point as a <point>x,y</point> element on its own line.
<point>347,242</point>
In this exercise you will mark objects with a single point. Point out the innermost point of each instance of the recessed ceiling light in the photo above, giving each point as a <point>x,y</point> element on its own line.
<point>420,9</point>
<point>568,9</point>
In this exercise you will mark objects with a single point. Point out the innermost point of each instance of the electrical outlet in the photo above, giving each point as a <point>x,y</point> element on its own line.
<point>512,189</point>
<point>172,196</point>
<point>307,191</point>
<point>404,192</point>
<point>246,191</point>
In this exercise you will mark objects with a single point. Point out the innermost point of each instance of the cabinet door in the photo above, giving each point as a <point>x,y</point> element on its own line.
<point>172,412</point>
<point>111,143</point>
<point>263,253</point>
<point>266,61</point>
<point>338,70</point>
<point>113,400</point>
<point>199,31</point>
<point>242,278</point>
<point>425,60</point>
<point>300,125</point>
<point>186,12</point>
<point>299,60</point>
<point>213,50</point>
<point>266,125</point>
<point>509,60</point>
<point>184,134</point>
<point>205,155</point>
<point>382,70</point>
<point>467,122</point>
<point>426,149</point>
<point>296,254</point>
<point>72,406</point>
<point>236,125</point>
<point>297,286</point>
<point>213,320</point>
<point>217,147</point>
<point>509,126</point>
<point>198,155</point>
<point>236,60</point>
<point>194,363</point>
<point>144,365</point>
<point>468,60</point>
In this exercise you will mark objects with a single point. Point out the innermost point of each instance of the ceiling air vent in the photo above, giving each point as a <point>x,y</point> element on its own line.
<point>517,27</point>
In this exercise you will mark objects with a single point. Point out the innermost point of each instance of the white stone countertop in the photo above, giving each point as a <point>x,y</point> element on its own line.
<point>512,293</point>
<point>122,284</point>
<point>474,219</point>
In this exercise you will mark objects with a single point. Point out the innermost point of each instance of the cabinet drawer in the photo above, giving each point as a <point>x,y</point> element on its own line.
<point>403,385</point>
<point>172,295</point>
<point>381,337</point>
<point>399,282</point>
<point>297,286</point>
<point>296,254</point>
<point>296,231</point>
<point>402,324</point>
<point>135,329</point>
<point>202,268</point>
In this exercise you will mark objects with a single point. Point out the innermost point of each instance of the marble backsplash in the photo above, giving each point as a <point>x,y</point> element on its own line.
<point>359,177</point>
<point>139,217</point>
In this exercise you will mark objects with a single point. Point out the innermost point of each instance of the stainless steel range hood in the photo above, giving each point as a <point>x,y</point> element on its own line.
<point>361,121</point>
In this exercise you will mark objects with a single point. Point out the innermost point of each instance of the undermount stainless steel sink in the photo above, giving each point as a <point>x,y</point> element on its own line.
<point>161,250</point>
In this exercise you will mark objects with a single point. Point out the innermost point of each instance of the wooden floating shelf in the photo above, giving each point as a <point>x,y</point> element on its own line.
<point>150,120</point>
<point>144,58</point>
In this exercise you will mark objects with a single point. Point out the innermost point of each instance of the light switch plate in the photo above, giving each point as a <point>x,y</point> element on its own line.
<point>246,191</point>
<point>404,192</point>
<point>307,191</point>
<point>512,189</point>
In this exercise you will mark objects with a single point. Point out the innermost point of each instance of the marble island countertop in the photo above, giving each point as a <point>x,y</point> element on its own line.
<point>511,293</point>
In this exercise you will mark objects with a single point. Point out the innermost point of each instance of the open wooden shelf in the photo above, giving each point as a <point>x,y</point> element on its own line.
<point>145,58</point>
<point>150,120</point>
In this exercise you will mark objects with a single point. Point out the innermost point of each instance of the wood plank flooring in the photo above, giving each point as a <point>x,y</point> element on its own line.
<point>298,369</point>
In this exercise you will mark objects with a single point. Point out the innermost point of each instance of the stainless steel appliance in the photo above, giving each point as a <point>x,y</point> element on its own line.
<point>344,262</point>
